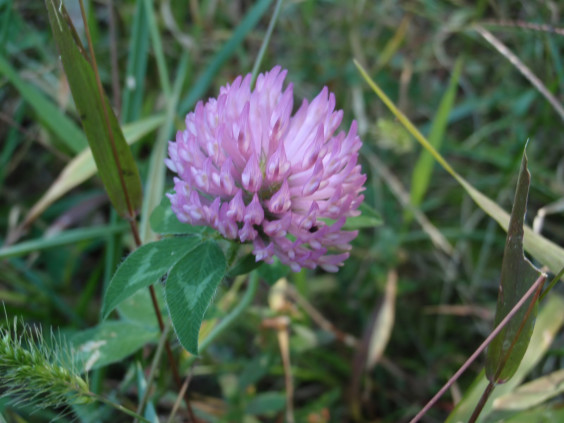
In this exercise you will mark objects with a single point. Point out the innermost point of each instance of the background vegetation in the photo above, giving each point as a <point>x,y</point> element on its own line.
<point>423,284</point>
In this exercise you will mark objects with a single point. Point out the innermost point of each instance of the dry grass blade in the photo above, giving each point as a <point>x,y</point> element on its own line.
<point>381,330</point>
<point>284,343</point>
<point>521,67</point>
<point>526,25</point>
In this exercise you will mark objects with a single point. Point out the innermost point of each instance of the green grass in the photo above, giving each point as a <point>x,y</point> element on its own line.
<point>54,271</point>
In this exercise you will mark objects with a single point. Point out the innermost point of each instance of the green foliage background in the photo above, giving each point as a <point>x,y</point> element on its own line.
<point>56,272</point>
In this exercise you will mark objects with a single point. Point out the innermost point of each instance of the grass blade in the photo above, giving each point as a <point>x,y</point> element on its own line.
<point>540,248</point>
<point>154,186</point>
<point>67,237</point>
<point>204,80</point>
<point>157,47</point>
<point>134,87</point>
<point>424,166</point>
<point>47,112</point>
<point>83,167</point>
<point>265,41</point>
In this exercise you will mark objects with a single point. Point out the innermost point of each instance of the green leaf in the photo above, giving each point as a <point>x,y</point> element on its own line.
<point>244,265</point>
<point>190,287</point>
<point>272,272</point>
<point>138,308</point>
<point>424,165</point>
<point>47,112</point>
<point>109,342</point>
<point>268,403</point>
<point>163,221</point>
<point>369,218</point>
<point>145,266</point>
<point>112,155</point>
<point>549,321</point>
<point>540,248</point>
<point>517,274</point>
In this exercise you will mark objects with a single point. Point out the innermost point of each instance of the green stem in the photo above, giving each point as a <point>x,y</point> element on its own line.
<point>118,407</point>
<point>265,41</point>
<point>483,399</point>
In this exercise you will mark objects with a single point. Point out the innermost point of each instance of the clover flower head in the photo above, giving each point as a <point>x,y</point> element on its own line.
<point>256,173</point>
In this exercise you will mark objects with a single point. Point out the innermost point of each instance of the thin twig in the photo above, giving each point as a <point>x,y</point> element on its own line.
<point>153,371</point>
<point>179,398</point>
<point>492,383</point>
<point>507,354</point>
<point>483,399</point>
<point>526,25</point>
<point>481,348</point>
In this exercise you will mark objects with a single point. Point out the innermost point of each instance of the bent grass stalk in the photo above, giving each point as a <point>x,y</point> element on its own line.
<point>493,383</point>
<point>533,289</point>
